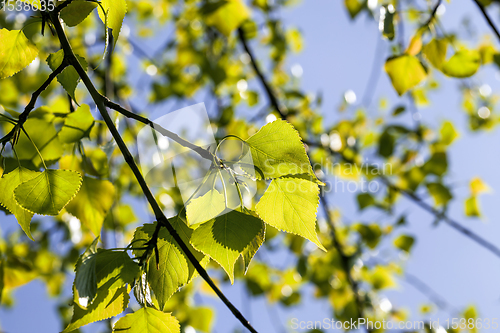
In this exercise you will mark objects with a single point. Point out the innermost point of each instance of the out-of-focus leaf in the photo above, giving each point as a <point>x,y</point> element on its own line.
<point>462,64</point>
<point>405,72</point>
<point>404,242</point>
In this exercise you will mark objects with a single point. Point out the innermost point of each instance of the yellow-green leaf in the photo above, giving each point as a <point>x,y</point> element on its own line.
<point>405,72</point>
<point>68,78</point>
<point>229,16</point>
<point>472,207</point>
<point>435,52</point>
<point>7,185</point>
<point>477,186</point>
<point>16,52</point>
<point>147,320</point>
<point>462,64</point>
<point>225,237</point>
<point>448,133</point>
<point>92,203</point>
<point>77,125</point>
<point>290,204</point>
<point>49,192</point>
<point>116,10</point>
<point>77,11</point>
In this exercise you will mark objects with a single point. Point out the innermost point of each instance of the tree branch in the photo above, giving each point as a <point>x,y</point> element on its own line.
<point>270,94</point>
<point>487,18</point>
<point>162,220</point>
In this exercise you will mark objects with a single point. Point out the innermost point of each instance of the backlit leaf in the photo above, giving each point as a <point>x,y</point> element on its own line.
<point>205,207</point>
<point>77,125</point>
<point>116,10</point>
<point>225,237</point>
<point>229,16</point>
<point>405,72</point>
<point>147,320</point>
<point>16,52</point>
<point>69,77</point>
<point>7,185</point>
<point>290,204</point>
<point>277,150</point>
<point>440,193</point>
<point>472,207</point>
<point>174,269</point>
<point>77,11</point>
<point>49,192</point>
<point>404,242</point>
<point>108,303</point>
<point>435,52</point>
<point>462,64</point>
<point>92,203</point>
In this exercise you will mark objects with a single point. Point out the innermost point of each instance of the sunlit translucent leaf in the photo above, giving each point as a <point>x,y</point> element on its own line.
<point>472,207</point>
<point>7,185</point>
<point>116,10</point>
<point>477,186</point>
<point>405,72</point>
<point>49,192</point>
<point>277,150</point>
<point>470,316</point>
<point>77,125</point>
<point>108,303</point>
<point>462,64</point>
<point>226,237</point>
<point>16,52</point>
<point>92,203</point>
<point>290,204</point>
<point>69,77</point>
<point>229,16</point>
<point>77,11</point>
<point>147,320</point>
<point>437,164</point>
<point>439,193</point>
<point>252,248</point>
<point>404,242</point>
<point>174,269</point>
<point>435,52</point>
<point>206,207</point>
<point>448,134</point>
<point>44,137</point>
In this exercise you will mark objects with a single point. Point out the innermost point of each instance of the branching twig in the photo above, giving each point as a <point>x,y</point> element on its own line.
<point>487,18</point>
<point>162,220</point>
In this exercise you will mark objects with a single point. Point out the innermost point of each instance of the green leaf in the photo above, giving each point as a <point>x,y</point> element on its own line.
<point>85,284</point>
<point>354,7</point>
<point>290,204</point>
<point>371,234</point>
<point>462,64</point>
<point>435,52</point>
<point>108,303</point>
<point>387,15</point>
<point>437,164</point>
<point>386,144</point>
<point>472,207</point>
<point>16,53</point>
<point>205,207</point>
<point>381,278</point>
<point>77,125</point>
<point>229,16</point>
<point>277,150</point>
<point>405,72</point>
<point>174,269</point>
<point>225,237</point>
<point>92,203</point>
<point>147,320</point>
<point>252,248</point>
<point>7,185</point>
<point>116,10</point>
<point>49,192</point>
<point>404,242</point>
<point>69,77</point>
<point>448,134</point>
<point>45,138</point>
<point>201,318</point>
<point>365,200</point>
<point>77,11</point>
<point>440,193</point>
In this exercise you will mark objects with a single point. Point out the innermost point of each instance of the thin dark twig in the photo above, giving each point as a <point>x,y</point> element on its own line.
<point>270,94</point>
<point>487,18</point>
<point>162,220</point>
